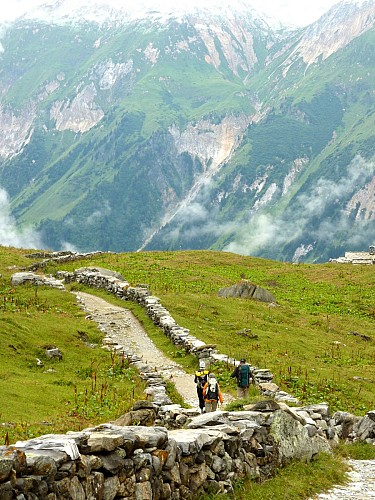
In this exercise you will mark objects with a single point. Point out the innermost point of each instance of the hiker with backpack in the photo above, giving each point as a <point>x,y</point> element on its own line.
<point>243,375</point>
<point>200,378</point>
<point>212,393</point>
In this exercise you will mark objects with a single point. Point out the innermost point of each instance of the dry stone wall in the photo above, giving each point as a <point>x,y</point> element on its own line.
<point>209,454</point>
<point>139,462</point>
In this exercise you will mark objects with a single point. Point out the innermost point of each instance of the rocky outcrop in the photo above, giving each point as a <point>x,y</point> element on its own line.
<point>236,45</point>
<point>296,168</point>
<point>247,290</point>
<point>336,29</point>
<point>212,143</point>
<point>78,115</point>
<point>362,203</point>
<point>15,130</point>
<point>108,73</point>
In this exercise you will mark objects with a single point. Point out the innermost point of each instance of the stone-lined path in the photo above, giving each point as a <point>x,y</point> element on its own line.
<point>122,327</point>
<point>360,487</point>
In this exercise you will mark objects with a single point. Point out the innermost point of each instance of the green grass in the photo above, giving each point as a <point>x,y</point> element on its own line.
<point>312,341</point>
<point>302,480</point>
<point>87,386</point>
<point>357,451</point>
<point>297,481</point>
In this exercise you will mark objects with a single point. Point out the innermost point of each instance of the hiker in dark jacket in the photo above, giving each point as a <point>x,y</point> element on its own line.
<point>243,375</point>
<point>200,379</point>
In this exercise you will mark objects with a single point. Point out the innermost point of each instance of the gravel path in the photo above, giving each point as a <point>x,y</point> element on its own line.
<point>122,326</point>
<point>360,487</point>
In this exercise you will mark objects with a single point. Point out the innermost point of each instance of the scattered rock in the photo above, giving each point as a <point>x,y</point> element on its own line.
<point>266,405</point>
<point>360,335</point>
<point>54,353</point>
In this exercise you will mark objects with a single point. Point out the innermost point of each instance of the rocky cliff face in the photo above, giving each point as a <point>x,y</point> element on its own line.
<point>233,42</point>
<point>362,202</point>
<point>15,130</point>
<point>334,31</point>
<point>211,143</point>
<point>78,115</point>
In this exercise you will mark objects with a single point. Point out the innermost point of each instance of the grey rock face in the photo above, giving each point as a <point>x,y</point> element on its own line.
<point>247,290</point>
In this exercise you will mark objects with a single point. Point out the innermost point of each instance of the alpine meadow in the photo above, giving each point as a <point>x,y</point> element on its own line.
<point>317,339</point>
<point>185,150</point>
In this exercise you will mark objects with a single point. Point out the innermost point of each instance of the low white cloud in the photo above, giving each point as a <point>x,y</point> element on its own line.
<point>69,247</point>
<point>264,230</point>
<point>294,12</point>
<point>104,211</point>
<point>195,212</point>
<point>10,235</point>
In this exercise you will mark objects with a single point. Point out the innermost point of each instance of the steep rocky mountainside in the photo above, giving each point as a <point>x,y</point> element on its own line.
<point>198,129</point>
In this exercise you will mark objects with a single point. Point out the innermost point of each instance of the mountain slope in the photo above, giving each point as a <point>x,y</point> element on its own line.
<point>190,130</point>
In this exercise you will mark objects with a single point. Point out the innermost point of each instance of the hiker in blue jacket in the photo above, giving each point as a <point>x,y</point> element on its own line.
<point>243,375</point>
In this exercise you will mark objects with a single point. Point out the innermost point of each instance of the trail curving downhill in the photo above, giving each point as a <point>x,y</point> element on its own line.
<point>123,327</point>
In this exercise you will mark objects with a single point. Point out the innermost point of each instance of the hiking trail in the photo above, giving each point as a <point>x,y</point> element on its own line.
<point>123,327</point>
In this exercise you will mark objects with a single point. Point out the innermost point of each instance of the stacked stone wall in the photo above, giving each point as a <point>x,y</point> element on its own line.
<point>137,462</point>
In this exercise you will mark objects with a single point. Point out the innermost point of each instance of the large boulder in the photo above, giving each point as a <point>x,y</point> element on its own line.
<point>293,440</point>
<point>144,416</point>
<point>247,290</point>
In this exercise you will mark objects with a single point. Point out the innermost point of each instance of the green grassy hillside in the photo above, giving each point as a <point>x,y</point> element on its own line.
<point>115,184</point>
<point>86,386</point>
<point>318,341</point>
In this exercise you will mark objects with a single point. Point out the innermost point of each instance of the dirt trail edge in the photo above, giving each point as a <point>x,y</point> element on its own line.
<point>123,327</point>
